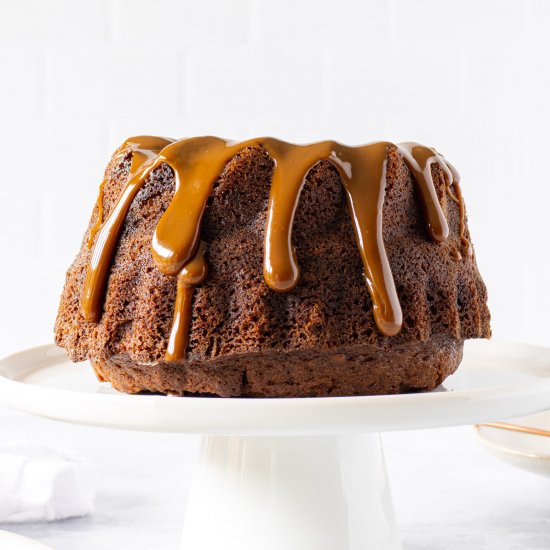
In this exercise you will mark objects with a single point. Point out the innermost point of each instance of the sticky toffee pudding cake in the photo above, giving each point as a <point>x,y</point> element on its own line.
<point>266,269</point>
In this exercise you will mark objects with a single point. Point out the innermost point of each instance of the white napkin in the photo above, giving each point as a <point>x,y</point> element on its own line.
<point>39,483</point>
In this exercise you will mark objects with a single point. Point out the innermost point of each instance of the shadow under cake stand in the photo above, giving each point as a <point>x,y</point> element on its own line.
<point>292,474</point>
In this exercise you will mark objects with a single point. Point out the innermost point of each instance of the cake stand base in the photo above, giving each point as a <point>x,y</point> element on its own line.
<point>292,493</point>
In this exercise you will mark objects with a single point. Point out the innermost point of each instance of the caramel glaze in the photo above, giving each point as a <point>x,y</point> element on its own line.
<point>99,220</point>
<point>197,164</point>
<point>192,274</point>
<point>143,147</point>
<point>145,150</point>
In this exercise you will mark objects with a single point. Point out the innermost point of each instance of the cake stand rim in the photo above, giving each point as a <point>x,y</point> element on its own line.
<point>299,416</point>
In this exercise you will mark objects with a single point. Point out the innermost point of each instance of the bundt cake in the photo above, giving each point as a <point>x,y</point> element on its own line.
<point>266,269</point>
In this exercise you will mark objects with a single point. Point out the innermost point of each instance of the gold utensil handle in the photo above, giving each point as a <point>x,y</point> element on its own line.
<point>516,428</point>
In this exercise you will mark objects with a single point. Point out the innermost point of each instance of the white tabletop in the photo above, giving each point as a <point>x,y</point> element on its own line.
<point>449,494</point>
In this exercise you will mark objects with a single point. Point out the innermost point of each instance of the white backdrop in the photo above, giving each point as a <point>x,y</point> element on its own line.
<point>469,77</point>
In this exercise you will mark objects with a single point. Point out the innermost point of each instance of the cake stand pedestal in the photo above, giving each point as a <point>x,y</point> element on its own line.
<point>287,474</point>
<point>312,492</point>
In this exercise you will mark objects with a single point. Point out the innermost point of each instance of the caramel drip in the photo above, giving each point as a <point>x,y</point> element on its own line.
<point>366,191</point>
<point>191,275</point>
<point>197,164</point>
<point>119,154</point>
<point>419,159</point>
<point>144,152</point>
<point>457,198</point>
<point>99,221</point>
<point>364,187</point>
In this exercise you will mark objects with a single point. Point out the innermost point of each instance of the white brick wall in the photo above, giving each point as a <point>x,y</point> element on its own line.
<point>169,23</point>
<point>471,77</point>
<point>109,83</point>
<point>254,81</point>
<point>21,84</point>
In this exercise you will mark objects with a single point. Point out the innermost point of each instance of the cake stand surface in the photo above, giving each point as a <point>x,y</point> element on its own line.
<point>292,474</point>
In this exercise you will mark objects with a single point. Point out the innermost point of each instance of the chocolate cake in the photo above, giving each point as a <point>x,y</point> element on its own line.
<point>266,269</point>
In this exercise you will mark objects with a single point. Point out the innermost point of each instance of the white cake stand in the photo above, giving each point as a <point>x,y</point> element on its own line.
<point>287,474</point>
